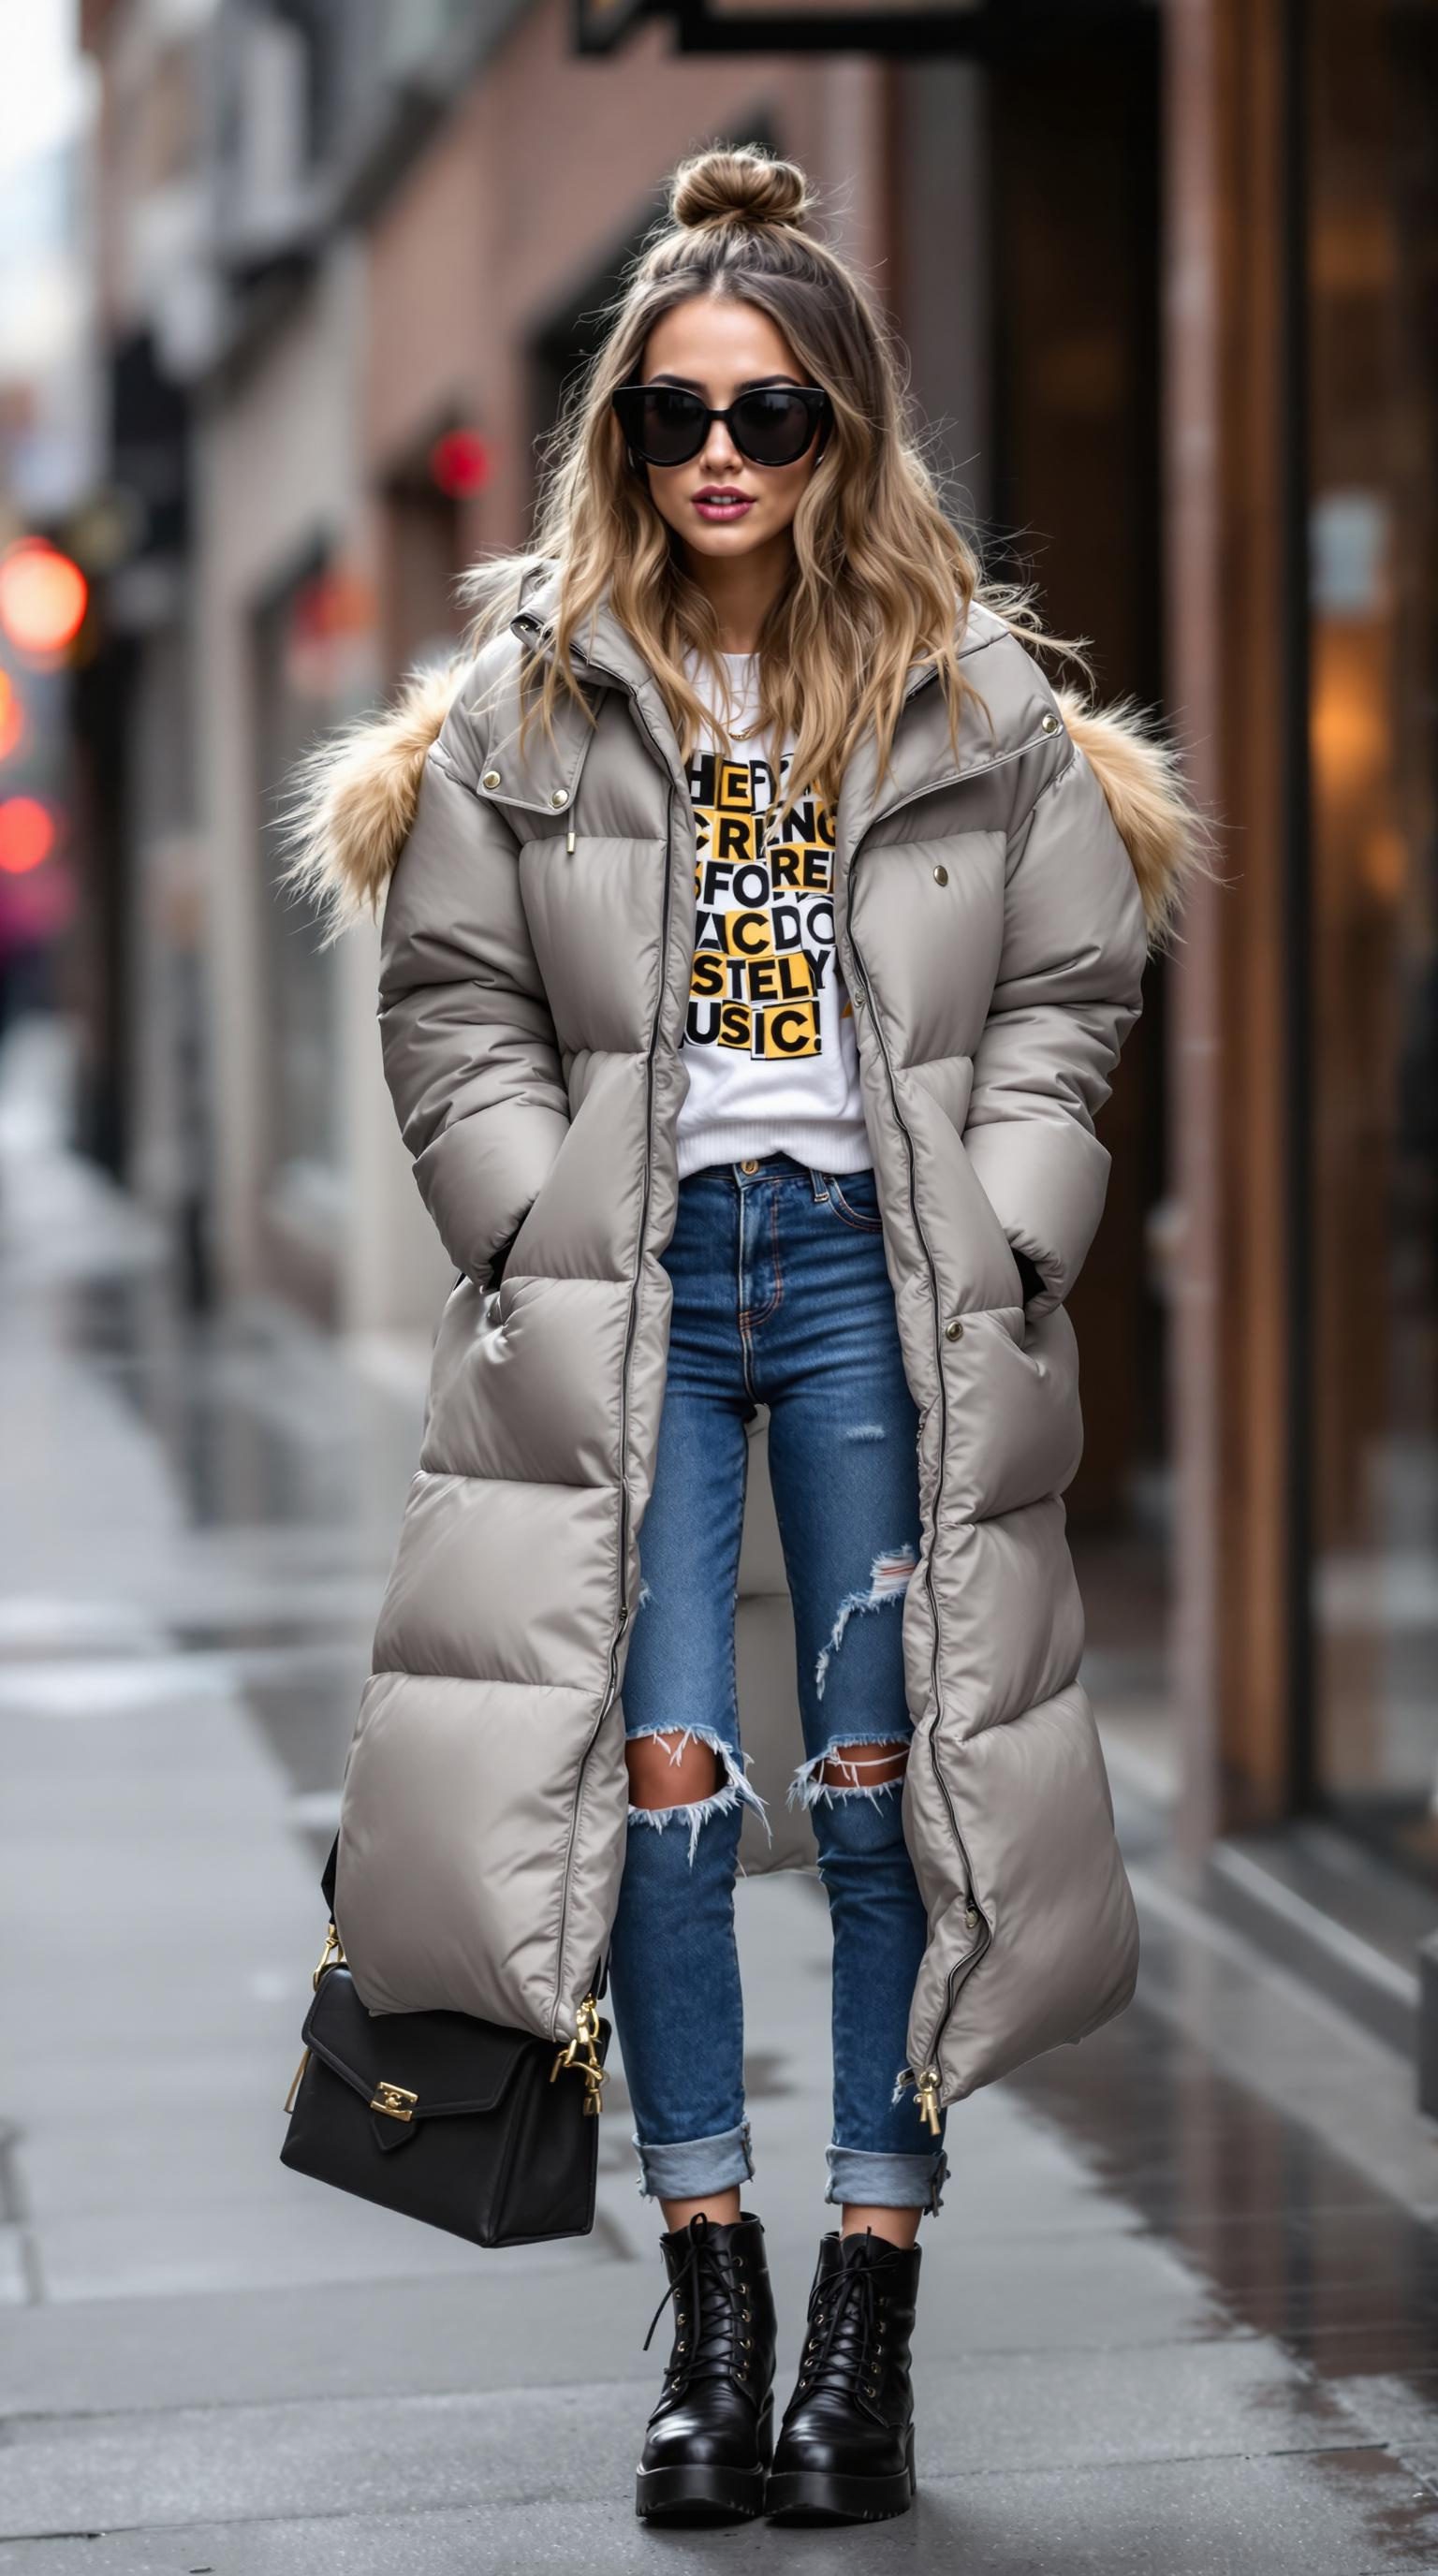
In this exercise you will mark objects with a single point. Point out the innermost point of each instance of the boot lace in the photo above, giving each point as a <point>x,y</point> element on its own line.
<point>710,2306</point>
<point>845,2357</point>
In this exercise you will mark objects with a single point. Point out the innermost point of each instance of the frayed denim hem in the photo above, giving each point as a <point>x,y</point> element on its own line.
<point>694,2168</point>
<point>736,1789</point>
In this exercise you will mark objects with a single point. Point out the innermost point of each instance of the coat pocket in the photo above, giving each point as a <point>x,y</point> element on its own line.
<point>1015,1429</point>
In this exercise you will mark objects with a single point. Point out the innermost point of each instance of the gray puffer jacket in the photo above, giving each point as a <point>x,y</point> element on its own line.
<point>992,918</point>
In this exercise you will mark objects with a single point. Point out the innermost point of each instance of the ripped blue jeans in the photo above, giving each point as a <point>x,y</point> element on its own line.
<point>781,1297</point>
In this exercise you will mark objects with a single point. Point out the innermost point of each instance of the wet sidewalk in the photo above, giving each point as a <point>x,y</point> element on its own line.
<point>1178,2312</point>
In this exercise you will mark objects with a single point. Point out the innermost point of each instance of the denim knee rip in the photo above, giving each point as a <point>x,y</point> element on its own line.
<point>809,1788</point>
<point>736,1789</point>
<point>888,1581</point>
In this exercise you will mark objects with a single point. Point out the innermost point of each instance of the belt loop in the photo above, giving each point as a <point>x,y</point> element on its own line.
<point>820,1181</point>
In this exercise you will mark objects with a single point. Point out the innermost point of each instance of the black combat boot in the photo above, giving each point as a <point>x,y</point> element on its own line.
<point>711,2436</point>
<point>846,2446</point>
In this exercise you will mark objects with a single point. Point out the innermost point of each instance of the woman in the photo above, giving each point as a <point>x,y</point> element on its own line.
<point>762,932</point>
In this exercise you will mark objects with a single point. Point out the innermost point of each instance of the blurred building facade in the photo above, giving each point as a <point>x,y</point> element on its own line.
<point>1167,276</point>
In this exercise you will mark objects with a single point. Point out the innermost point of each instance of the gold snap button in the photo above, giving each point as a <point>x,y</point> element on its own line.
<point>941,876</point>
<point>491,778</point>
<point>748,1167</point>
<point>560,796</point>
<point>953,1330</point>
<point>1049,723</point>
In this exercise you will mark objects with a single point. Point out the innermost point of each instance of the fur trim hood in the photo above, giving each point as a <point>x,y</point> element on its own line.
<point>356,793</point>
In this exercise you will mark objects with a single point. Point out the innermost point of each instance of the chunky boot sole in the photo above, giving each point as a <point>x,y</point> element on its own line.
<point>702,2491</point>
<point>829,2495</point>
<point>698,2494</point>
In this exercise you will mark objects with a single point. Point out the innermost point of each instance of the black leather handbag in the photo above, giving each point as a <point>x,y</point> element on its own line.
<point>455,2121</point>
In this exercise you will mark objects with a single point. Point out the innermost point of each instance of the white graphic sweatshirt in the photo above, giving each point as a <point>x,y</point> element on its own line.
<point>769,1040</point>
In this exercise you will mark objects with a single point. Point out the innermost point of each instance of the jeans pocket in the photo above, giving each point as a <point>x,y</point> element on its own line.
<point>854,1198</point>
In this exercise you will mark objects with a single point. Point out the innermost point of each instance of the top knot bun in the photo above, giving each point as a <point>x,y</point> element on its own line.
<point>744,186</point>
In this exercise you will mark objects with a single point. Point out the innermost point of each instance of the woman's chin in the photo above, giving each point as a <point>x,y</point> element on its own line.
<point>723,540</point>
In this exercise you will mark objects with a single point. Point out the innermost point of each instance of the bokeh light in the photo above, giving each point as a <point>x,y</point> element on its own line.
<point>27,835</point>
<point>459,463</point>
<point>12,716</point>
<point>43,597</point>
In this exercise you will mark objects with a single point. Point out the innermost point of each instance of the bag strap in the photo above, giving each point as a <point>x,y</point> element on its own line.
<point>327,1877</point>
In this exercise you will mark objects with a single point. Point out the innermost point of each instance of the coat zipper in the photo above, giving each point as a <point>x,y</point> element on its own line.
<point>928,2076</point>
<point>622,1621</point>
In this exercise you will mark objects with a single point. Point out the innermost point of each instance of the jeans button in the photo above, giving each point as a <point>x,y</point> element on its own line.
<point>748,1167</point>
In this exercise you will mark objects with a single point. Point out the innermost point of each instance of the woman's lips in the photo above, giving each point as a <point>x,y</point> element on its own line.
<point>735,509</point>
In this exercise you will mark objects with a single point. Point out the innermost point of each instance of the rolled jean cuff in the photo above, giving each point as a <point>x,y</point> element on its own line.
<point>869,2181</point>
<point>694,2167</point>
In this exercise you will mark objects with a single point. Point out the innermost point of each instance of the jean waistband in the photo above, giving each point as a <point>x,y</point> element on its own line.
<point>764,1167</point>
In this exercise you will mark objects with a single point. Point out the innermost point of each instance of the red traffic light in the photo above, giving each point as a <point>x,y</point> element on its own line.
<point>459,463</point>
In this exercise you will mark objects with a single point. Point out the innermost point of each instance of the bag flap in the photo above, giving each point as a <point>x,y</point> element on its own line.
<point>435,2062</point>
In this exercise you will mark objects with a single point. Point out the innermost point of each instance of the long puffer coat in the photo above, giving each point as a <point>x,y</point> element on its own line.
<point>992,919</point>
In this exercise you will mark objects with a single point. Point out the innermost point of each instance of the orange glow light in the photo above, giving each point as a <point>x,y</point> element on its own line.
<point>43,596</point>
<point>27,835</point>
<point>12,716</point>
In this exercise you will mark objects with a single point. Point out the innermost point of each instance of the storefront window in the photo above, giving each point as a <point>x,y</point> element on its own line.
<point>1373,460</point>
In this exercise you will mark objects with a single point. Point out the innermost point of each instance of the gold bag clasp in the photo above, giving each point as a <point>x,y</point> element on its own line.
<point>391,2098</point>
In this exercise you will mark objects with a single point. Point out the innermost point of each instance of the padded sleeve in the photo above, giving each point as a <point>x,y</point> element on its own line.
<point>470,1052</point>
<point>1067,994</point>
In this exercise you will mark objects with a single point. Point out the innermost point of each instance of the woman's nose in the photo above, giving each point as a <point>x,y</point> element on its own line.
<point>720,456</point>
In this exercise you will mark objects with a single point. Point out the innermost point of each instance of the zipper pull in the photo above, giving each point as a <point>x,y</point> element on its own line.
<point>569,844</point>
<point>583,2053</point>
<point>928,2098</point>
<point>332,1955</point>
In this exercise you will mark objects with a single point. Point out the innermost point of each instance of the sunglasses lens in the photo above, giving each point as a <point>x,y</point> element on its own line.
<point>665,424</point>
<point>772,427</point>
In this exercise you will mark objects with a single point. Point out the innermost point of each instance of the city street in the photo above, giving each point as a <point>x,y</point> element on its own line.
<point>1178,2312</point>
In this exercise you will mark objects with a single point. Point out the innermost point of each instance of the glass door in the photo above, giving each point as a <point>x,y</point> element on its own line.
<point>1372,154</point>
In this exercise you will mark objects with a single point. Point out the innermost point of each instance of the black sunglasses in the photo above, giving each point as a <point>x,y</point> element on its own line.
<point>772,425</point>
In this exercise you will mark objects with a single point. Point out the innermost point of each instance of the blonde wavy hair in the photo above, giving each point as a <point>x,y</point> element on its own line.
<point>880,570</point>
